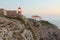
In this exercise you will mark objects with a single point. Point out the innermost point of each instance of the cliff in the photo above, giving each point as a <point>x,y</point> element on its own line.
<point>21,28</point>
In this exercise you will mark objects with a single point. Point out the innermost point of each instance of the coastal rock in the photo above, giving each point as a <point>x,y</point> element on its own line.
<point>21,28</point>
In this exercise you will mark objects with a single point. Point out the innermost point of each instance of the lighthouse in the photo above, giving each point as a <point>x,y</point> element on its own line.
<point>19,10</point>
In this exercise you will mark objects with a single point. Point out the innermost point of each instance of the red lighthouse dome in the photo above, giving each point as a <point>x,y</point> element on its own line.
<point>19,10</point>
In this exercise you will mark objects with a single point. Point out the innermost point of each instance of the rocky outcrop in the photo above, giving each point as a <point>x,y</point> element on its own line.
<point>21,28</point>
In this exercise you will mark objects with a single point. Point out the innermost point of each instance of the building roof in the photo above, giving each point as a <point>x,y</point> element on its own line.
<point>19,7</point>
<point>36,16</point>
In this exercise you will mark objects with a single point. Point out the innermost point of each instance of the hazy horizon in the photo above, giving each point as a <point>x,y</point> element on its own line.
<point>48,9</point>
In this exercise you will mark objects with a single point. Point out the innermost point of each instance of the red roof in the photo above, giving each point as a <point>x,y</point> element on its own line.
<point>19,7</point>
<point>35,16</point>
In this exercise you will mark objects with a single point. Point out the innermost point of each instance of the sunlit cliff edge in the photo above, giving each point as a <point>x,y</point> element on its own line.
<point>22,28</point>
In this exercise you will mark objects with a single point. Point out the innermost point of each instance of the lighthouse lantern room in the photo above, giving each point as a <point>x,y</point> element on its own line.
<point>19,10</point>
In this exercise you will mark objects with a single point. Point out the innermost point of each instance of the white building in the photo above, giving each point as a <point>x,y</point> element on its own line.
<point>36,17</point>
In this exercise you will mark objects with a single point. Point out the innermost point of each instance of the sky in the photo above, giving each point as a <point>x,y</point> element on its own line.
<point>48,9</point>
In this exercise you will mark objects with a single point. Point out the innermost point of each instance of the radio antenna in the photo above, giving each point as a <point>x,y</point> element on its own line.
<point>19,8</point>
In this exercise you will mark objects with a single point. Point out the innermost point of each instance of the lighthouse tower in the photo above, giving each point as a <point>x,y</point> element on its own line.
<point>19,10</point>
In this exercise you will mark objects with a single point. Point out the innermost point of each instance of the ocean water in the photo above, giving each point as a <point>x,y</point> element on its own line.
<point>54,20</point>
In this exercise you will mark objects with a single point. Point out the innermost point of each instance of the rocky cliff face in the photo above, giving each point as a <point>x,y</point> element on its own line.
<point>21,28</point>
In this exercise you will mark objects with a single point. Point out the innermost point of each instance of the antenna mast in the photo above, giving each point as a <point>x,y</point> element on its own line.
<point>18,2</point>
<point>19,8</point>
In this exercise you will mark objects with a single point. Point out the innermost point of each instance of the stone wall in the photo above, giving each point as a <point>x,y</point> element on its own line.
<point>12,13</point>
<point>1,11</point>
